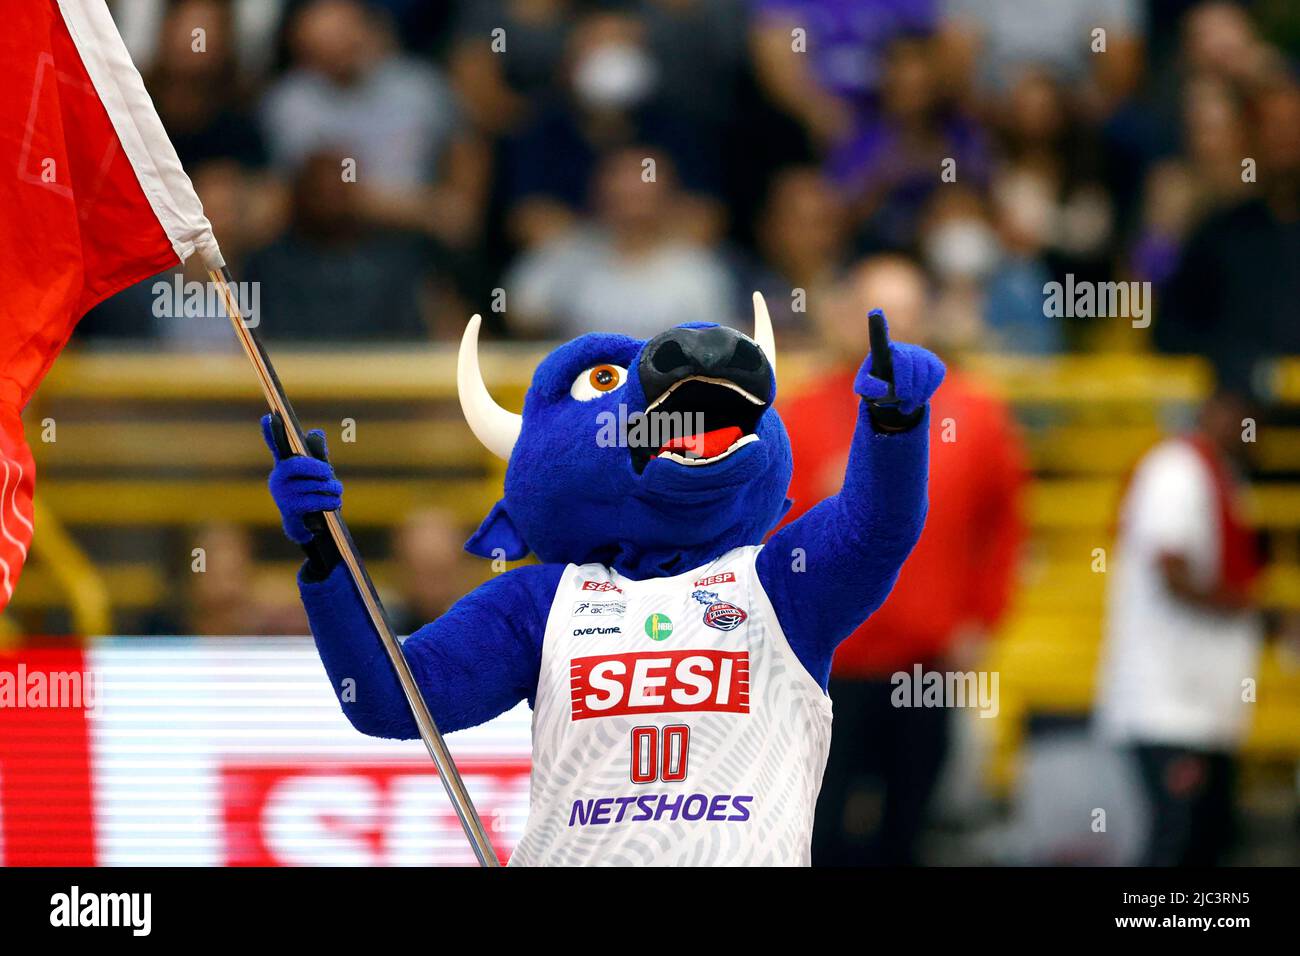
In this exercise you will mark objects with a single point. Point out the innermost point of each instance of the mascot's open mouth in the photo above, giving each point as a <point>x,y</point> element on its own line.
<point>700,420</point>
<point>707,389</point>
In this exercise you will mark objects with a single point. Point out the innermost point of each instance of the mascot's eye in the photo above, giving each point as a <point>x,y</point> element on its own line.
<point>597,381</point>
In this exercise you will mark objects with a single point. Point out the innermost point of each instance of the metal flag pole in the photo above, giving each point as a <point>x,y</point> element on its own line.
<point>279,402</point>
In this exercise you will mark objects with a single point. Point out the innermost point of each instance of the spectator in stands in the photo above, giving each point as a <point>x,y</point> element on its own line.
<point>1002,38</point>
<point>824,62</point>
<point>628,271</point>
<point>989,268</point>
<point>1234,294</point>
<point>1215,138</point>
<point>330,277</point>
<point>1189,109</point>
<point>611,99</point>
<point>885,760</point>
<point>1218,41</point>
<point>1197,108</point>
<point>222,596</point>
<point>253,25</point>
<point>1180,191</point>
<point>433,569</point>
<point>1045,135</point>
<point>890,163</point>
<point>350,91</point>
<point>959,248</point>
<point>419,26</point>
<point>1183,634</point>
<point>1015,319</point>
<point>699,46</point>
<point>802,244</point>
<point>199,90</point>
<point>502,93</point>
<point>1169,211</point>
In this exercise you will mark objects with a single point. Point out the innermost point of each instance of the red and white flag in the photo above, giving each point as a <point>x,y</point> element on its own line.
<point>93,199</point>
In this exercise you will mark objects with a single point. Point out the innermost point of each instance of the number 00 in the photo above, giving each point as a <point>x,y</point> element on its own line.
<point>659,753</point>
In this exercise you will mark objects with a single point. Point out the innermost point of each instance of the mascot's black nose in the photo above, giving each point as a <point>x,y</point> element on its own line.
<point>716,352</point>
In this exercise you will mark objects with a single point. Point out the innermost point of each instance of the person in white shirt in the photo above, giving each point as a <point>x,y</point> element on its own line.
<point>1182,634</point>
<point>628,270</point>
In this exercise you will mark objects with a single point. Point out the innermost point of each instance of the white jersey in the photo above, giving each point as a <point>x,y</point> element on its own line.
<point>673,724</point>
<point>1172,673</point>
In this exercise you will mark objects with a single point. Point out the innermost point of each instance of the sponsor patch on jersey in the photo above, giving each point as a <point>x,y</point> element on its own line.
<point>589,631</point>
<point>659,627</point>
<point>718,613</point>
<point>726,577</point>
<point>599,608</point>
<point>600,586</point>
<point>649,682</point>
<point>654,807</point>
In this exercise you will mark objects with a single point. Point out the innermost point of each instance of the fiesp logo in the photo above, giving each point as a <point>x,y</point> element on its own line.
<point>726,577</point>
<point>659,682</point>
<point>600,586</point>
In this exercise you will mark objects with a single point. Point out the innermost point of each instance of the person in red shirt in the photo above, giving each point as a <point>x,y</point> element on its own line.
<point>885,759</point>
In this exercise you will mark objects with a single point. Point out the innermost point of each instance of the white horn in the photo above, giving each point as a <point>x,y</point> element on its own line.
<point>491,424</point>
<point>763,329</point>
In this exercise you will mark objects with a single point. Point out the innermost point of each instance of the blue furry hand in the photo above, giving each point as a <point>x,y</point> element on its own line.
<point>302,487</point>
<point>914,373</point>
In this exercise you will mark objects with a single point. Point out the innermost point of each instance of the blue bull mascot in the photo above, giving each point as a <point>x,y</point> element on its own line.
<point>676,665</point>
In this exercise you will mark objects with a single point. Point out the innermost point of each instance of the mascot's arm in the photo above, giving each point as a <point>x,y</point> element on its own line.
<point>828,571</point>
<point>476,661</point>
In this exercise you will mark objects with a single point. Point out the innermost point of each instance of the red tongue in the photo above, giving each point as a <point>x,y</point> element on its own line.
<point>706,444</point>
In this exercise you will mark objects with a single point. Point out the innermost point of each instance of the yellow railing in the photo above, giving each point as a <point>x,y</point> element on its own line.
<point>59,564</point>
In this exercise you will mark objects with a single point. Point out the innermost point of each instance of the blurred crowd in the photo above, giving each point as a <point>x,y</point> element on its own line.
<point>386,167</point>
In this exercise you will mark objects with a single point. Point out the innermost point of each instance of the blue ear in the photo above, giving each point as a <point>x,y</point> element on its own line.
<point>497,536</point>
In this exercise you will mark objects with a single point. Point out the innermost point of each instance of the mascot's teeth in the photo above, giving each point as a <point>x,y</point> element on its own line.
<point>683,460</point>
<point>725,383</point>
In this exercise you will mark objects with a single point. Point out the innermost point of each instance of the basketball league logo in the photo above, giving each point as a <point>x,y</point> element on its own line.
<point>718,613</point>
